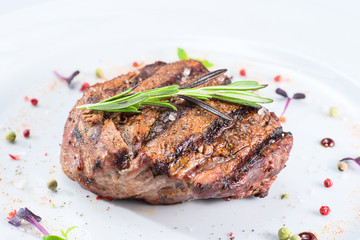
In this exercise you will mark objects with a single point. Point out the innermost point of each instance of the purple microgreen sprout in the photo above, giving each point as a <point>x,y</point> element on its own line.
<point>67,79</point>
<point>26,214</point>
<point>356,160</point>
<point>284,94</point>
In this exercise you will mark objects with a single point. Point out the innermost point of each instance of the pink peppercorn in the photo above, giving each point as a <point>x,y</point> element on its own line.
<point>325,210</point>
<point>26,133</point>
<point>34,101</point>
<point>328,183</point>
<point>243,72</point>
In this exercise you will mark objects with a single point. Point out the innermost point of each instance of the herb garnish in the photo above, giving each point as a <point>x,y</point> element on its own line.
<point>26,214</point>
<point>356,160</point>
<point>67,79</point>
<point>54,237</point>
<point>237,92</point>
<point>183,56</point>
<point>284,94</point>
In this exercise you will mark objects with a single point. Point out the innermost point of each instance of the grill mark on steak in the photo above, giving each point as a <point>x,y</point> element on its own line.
<point>95,133</point>
<point>97,165</point>
<point>145,73</point>
<point>93,99</point>
<point>189,144</point>
<point>160,168</point>
<point>240,115</point>
<point>162,121</point>
<point>122,159</point>
<point>245,166</point>
<point>221,124</point>
<point>165,120</point>
<point>251,158</point>
<point>161,125</point>
<point>214,130</point>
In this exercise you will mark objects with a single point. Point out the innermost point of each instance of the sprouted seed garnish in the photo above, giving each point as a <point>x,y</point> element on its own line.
<point>67,79</point>
<point>183,56</point>
<point>284,94</point>
<point>356,160</point>
<point>54,237</point>
<point>27,215</point>
<point>237,92</point>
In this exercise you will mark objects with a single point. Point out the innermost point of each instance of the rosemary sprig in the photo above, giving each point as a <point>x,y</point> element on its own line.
<point>237,92</point>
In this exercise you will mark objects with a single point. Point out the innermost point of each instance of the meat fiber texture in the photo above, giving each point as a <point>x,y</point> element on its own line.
<point>164,156</point>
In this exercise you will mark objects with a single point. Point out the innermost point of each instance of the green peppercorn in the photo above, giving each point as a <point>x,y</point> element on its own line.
<point>10,136</point>
<point>99,73</point>
<point>295,237</point>
<point>342,166</point>
<point>284,233</point>
<point>52,184</point>
<point>334,112</point>
<point>285,196</point>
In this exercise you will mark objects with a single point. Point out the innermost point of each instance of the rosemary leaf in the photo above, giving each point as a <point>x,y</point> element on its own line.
<point>206,106</point>
<point>237,92</point>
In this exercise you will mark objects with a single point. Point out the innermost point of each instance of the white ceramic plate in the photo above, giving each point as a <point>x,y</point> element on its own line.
<point>40,41</point>
<point>252,218</point>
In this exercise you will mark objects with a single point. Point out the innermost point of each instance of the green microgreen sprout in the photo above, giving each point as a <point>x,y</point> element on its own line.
<point>183,56</point>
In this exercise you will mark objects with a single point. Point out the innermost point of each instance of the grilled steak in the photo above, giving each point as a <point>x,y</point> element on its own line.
<point>164,156</point>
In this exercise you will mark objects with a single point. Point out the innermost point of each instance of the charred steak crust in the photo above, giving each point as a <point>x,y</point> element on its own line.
<point>164,156</point>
